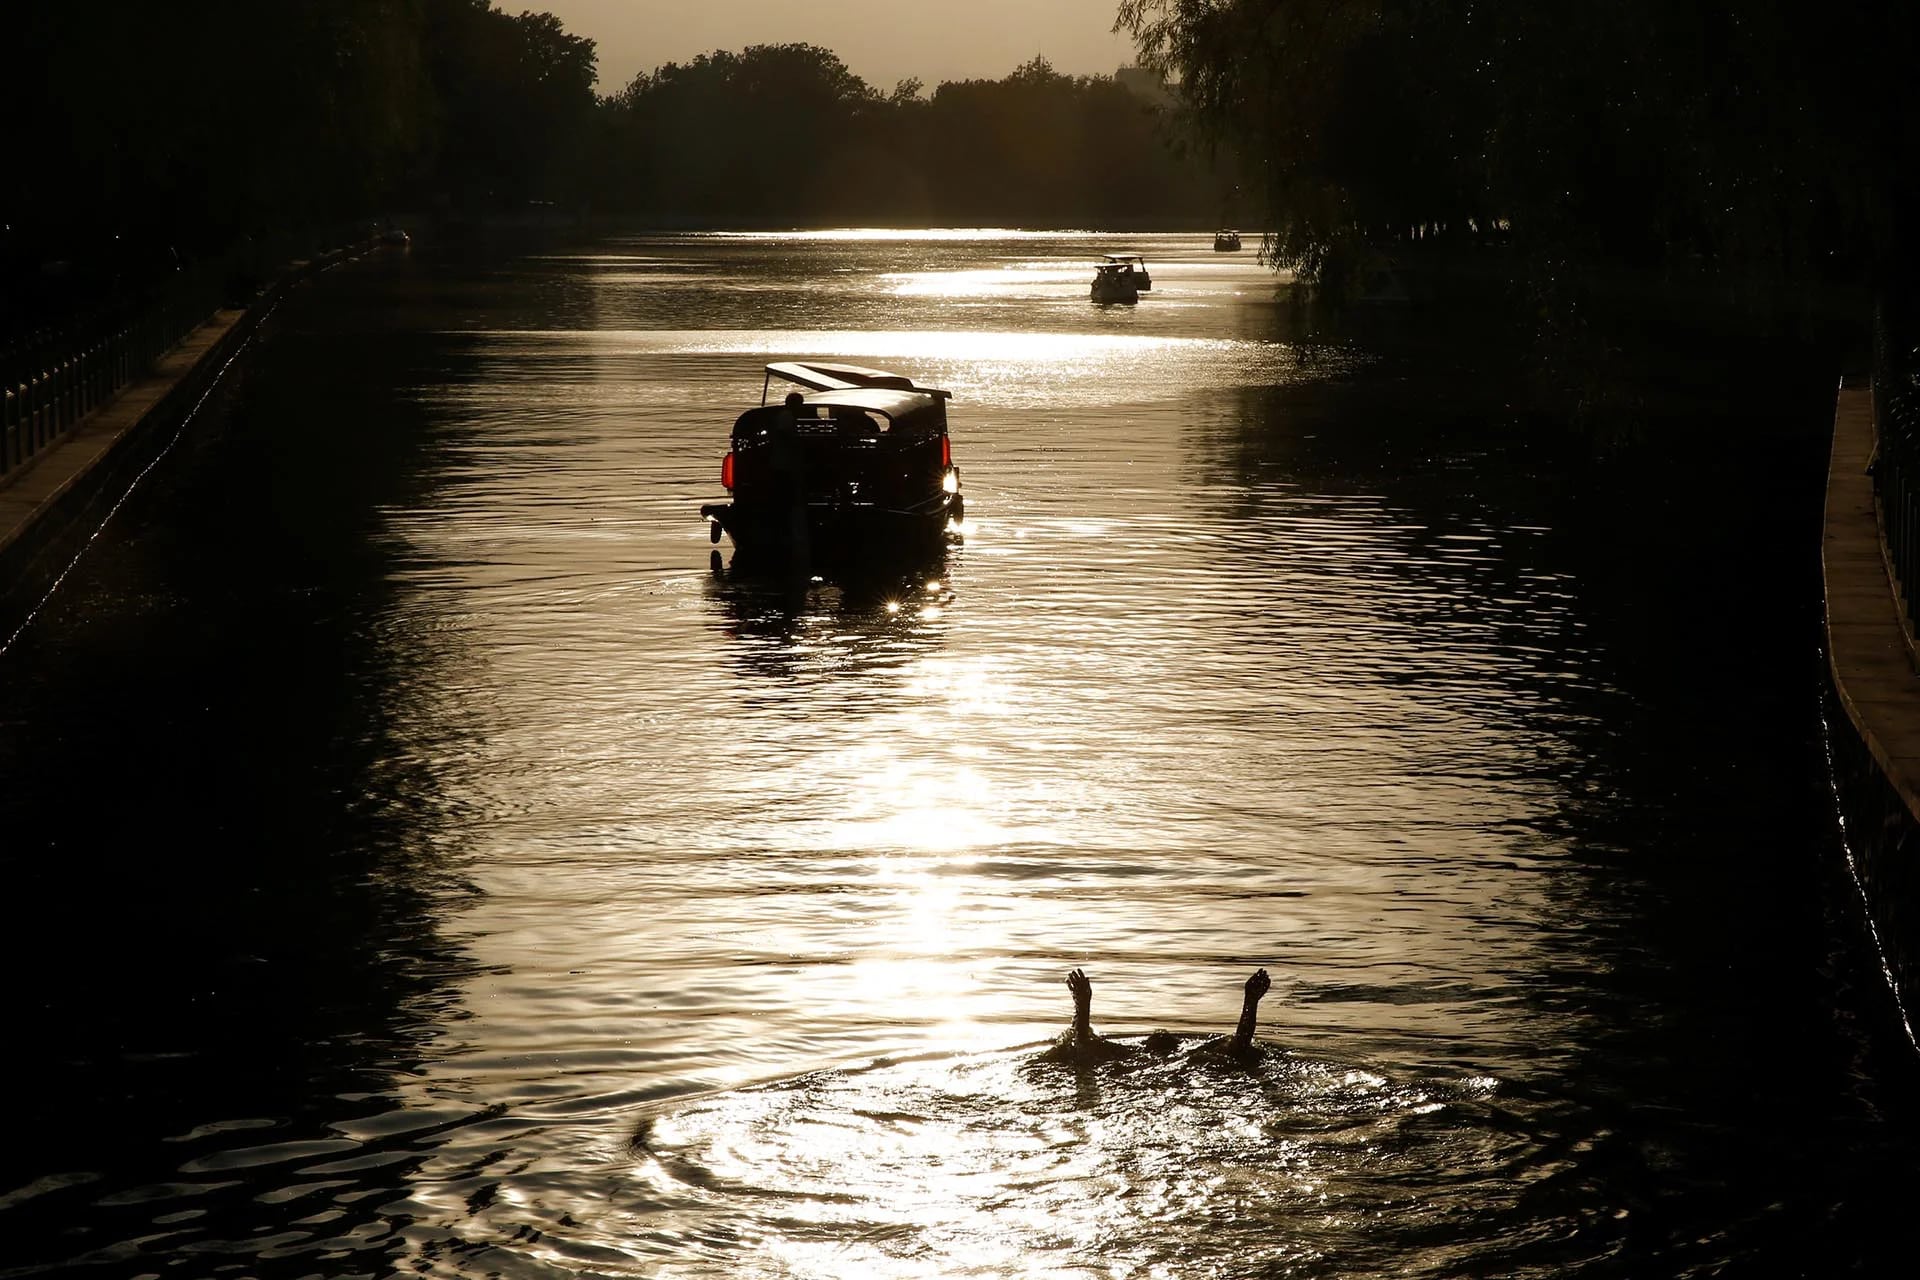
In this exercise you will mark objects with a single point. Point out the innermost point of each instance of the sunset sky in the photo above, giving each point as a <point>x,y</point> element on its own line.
<point>883,41</point>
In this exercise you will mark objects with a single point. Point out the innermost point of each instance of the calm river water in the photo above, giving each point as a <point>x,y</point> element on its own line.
<point>422,860</point>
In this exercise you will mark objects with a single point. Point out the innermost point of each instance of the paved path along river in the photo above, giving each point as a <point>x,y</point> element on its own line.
<point>424,861</point>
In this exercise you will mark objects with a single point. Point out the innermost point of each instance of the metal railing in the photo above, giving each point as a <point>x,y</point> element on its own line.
<point>51,385</point>
<point>1896,468</point>
<point>51,381</point>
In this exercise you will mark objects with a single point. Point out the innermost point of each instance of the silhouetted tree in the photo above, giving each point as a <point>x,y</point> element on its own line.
<point>139,136</point>
<point>514,106</point>
<point>786,134</point>
<point>136,135</point>
<point>1770,137</point>
<point>754,134</point>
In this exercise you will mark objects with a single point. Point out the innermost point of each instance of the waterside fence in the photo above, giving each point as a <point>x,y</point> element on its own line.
<point>1896,467</point>
<point>52,379</point>
<point>1870,707</point>
<point>52,385</point>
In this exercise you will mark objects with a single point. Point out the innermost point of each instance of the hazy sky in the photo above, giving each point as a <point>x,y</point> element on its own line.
<point>883,41</point>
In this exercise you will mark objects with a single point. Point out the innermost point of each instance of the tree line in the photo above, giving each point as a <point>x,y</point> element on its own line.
<point>786,134</point>
<point>1774,138</point>
<point>139,135</point>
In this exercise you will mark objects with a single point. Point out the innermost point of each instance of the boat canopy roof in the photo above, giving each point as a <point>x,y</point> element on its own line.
<point>819,376</point>
<point>847,390</point>
<point>909,413</point>
<point>1127,259</point>
<point>858,389</point>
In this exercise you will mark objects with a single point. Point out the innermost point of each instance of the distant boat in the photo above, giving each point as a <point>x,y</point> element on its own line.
<point>1226,240</point>
<point>1141,279</point>
<point>1115,282</point>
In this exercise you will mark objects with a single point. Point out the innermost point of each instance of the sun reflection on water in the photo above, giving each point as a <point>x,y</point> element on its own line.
<point>925,804</point>
<point>1187,723</point>
<point>1024,368</point>
<point>1232,672</point>
<point>984,282</point>
<point>885,234</point>
<point>992,1166</point>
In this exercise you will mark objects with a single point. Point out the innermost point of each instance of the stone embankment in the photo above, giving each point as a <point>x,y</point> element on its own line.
<point>53,503</point>
<point>1873,711</point>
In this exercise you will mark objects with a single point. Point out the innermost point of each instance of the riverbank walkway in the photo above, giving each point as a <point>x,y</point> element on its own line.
<point>1873,712</point>
<point>1873,658</point>
<point>43,501</point>
<point>31,494</point>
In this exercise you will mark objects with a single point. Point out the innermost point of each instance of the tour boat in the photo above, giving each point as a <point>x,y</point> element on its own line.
<point>849,462</point>
<point>1226,240</point>
<point>1141,279</point>
<point>1115,282</point>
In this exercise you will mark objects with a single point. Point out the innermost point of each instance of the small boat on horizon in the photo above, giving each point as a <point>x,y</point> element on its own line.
<point>1226,240</point>
<point>1115,282</point>
<point>1141,279</point>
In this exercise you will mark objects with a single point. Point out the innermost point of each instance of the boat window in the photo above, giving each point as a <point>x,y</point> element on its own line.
<point>856,425</point>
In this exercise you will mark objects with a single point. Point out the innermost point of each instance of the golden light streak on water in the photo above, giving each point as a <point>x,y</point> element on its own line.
<point>1087,740</point>
<point>878,235</point>
<point>711,924</point>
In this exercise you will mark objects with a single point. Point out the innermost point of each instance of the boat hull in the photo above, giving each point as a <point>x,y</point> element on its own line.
<point>833,532</point>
